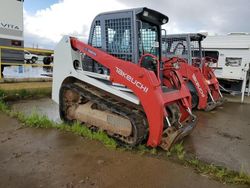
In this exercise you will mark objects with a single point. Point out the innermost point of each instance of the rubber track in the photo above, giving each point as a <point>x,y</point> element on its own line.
<point>137,117</point>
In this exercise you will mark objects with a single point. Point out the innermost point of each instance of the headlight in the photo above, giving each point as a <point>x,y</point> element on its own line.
<point>164,21</point>
<point>145,13</point>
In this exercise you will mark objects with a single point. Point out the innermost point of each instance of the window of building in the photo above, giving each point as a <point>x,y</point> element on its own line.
<point>213,54</point>
<point>16,43</point>
<point>233,61</point>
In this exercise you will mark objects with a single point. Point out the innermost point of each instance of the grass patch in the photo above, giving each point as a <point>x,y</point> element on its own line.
<point>24,94</point>
<point>143,149</point>
<point>177,150</point>
<point>35,120</point>
<point>218,173</point>
<point>83,131</point>
<point>177,153</point>
<point>4,108</point>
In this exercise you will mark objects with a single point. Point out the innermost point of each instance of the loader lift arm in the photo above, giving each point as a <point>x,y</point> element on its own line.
<point>142,82</point>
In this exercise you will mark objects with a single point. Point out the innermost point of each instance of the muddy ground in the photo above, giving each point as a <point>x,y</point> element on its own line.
<point>221,137</point>
<point>32,157</point>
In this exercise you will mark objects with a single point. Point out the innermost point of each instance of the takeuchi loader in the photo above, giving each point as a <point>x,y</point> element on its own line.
<point>184,51</point>
<point>115,83</point>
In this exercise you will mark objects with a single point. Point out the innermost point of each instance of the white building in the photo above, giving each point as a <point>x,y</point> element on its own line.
<point>11,26</point>
<point>233,54</point>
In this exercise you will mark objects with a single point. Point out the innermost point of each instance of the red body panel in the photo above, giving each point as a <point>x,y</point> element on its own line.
<point>210,77</point>
<point>145,85</point>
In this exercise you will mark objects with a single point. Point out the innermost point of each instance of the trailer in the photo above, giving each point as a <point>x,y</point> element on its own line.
<point>233,54</point>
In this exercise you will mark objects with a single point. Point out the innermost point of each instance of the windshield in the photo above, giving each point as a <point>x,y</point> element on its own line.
<point>148,39</point>
<point>181,46</point>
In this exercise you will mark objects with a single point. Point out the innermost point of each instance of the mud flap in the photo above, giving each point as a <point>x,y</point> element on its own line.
<point>170,136</point>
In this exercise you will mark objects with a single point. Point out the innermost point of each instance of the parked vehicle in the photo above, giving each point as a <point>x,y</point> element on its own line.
<point>115,84</point>
<point>30,58</point>
<point>185,50</point>
<point>47,60</point>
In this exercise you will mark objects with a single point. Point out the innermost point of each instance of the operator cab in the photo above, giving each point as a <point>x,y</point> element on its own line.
<point>186,46</point>
<point>128,35</point>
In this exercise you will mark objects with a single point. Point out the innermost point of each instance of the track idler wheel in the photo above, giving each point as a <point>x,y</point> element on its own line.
<point>68,100</point>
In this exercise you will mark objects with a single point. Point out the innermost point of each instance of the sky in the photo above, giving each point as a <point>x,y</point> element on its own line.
<point>46,21</point>
<point>32,6</point>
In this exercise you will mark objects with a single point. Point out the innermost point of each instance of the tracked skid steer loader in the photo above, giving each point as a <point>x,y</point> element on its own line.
<point>184,51</point>
<point>115,83</point>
